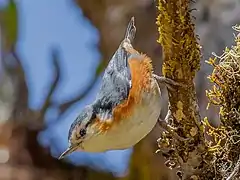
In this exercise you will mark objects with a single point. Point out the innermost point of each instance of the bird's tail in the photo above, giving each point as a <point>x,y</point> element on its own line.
<point>131,30</point>
<point>119,60</point>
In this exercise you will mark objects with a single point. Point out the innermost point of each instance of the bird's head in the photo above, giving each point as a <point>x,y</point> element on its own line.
<point>81,130</point>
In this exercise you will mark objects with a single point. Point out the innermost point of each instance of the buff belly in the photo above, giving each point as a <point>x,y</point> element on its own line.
<point>130,131</point>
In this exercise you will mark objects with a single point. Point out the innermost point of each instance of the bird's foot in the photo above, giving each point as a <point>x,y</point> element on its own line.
<point>169,82</point>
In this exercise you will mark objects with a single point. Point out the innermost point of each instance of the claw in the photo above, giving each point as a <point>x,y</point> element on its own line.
<point>168,82</point>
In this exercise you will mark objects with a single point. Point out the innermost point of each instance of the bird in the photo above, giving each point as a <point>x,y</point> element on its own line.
<point>127,105</point>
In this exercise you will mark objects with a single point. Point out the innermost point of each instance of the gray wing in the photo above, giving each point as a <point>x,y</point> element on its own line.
<point>116,82</point>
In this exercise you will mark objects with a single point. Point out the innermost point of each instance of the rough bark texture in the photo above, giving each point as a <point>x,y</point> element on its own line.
<point>181,62</point>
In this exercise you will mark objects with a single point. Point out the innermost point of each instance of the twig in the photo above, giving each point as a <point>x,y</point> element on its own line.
<point>21,103</point>
<point>21,110</point>
<point>47,102</point>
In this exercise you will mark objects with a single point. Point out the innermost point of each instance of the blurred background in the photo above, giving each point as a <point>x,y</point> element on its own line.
<point>52,56</point>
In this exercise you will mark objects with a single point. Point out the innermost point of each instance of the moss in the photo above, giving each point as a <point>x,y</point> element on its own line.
<point>217,153</point>
<point>176,34</point>
<point>225,93</point>
<point>181,62</point>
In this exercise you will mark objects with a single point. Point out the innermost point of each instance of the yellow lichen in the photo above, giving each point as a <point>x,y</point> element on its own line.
<point>193,131</point>
<point>181,62</point>
<point>225,93</point>
<point>176,34</point>
<point>179,115</point>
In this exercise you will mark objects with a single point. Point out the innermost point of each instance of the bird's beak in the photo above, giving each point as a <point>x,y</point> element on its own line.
<point>67,151</point>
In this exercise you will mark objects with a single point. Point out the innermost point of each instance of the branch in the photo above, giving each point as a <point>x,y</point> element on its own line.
<point>53,86</point>
<point>21,113</point>
<point>181,63</point>
<point>47,103</point>
<point>21,103</point>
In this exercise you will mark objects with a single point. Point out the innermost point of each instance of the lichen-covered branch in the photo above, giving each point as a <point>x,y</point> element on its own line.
<point>225,93</point>
<point>181,62</point>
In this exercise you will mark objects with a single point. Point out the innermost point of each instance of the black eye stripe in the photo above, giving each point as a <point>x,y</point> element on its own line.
<point>82,132</point>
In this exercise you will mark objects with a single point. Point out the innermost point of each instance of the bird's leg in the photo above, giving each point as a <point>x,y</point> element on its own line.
<point>169,82</point>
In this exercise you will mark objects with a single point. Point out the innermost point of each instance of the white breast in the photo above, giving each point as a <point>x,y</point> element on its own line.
<point>130,131</point>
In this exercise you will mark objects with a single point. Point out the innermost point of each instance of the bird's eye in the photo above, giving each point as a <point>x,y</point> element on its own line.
<point>82,132</point>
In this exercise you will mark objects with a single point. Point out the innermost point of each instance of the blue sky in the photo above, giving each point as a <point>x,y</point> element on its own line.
<point>60,23</point>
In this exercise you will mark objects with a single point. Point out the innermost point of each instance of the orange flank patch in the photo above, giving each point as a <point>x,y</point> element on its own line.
<point>141,73</point>
<point>103,125</point>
